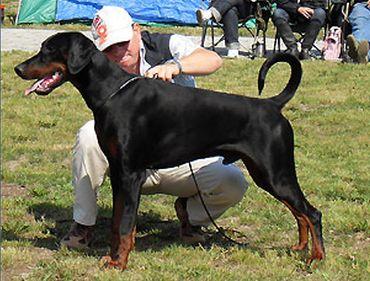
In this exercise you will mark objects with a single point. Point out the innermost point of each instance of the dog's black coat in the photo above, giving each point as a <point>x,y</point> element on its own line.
<point>153,124</point>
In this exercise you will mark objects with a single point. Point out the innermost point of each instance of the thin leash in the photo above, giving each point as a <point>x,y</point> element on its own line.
<point>132,79</point>
<point>220,230</point>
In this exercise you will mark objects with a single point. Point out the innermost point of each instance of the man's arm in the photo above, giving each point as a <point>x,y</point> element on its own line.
<point>193,59</point>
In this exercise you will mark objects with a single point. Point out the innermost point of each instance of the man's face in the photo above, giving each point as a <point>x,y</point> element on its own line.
<point>126,54</point>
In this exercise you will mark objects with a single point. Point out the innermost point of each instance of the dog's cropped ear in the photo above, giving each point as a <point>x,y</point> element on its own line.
<point>80,52</point>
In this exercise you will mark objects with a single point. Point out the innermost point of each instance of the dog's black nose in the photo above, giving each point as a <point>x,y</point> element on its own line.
<point>19,69</point>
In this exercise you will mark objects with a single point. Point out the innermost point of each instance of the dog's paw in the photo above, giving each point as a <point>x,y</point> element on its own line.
<point>108,262</point>
<point>299,247</point>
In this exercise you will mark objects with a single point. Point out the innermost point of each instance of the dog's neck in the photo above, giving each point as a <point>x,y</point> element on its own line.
<point>109,75</point>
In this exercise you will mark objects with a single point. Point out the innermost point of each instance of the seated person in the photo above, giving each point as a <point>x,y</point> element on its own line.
<point>309,13</point>
<point>358,41</point>
<point>228,12</point>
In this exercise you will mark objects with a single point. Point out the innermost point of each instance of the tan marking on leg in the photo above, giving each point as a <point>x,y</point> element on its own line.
<point>120,258</point>
<point>317,252</point>
<point>302,229</point>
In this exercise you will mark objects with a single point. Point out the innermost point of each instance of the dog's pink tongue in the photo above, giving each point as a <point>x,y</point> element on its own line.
<point>33,87</point>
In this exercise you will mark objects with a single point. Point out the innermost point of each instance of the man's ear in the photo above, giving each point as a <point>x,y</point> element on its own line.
<point>136,27</point>
<point>80,52</point>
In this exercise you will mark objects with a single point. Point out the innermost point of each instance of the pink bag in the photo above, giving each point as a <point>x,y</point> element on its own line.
<point>332,44</point>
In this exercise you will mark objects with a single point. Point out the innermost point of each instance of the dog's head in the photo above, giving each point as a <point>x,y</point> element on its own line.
<point>60,57</point>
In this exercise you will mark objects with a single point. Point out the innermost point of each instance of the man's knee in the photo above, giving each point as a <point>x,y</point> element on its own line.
<point>230,17</point>
<point>86,138</point>
<point>280,16</point>
<point>320,16</point>
<point>88,158</point>
<point>234,185</point>
<point>87,154</point>
<point>359,11</point>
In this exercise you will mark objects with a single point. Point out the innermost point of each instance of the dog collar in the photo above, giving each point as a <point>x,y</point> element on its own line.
<point>122,86</point>
<point>132,79</point>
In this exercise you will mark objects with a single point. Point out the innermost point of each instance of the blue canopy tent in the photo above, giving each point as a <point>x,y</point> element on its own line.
<point>177,12</point>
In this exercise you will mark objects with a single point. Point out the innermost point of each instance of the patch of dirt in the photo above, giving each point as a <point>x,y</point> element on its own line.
<point>21,269</point>
<point>8,191</point>
<point>13,190</point>
<point>361,241</point>
<point>14,164</point>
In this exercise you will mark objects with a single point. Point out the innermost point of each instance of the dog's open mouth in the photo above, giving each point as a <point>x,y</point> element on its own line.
<point>45,85</point>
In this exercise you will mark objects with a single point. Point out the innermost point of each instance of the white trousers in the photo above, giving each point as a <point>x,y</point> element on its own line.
<point>221,186</point>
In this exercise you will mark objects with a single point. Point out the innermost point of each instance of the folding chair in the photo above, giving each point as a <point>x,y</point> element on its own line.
<point>260,11</point>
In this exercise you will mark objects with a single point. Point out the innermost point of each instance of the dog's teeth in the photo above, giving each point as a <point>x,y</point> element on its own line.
<point>56,76</point>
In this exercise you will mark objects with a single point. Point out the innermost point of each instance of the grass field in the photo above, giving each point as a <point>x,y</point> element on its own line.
<point>330,115</point>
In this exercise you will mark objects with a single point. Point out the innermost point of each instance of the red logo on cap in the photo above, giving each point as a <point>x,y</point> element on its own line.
<point>100,30</point>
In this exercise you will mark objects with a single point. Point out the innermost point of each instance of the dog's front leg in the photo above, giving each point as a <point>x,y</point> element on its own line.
<point>126,194</point>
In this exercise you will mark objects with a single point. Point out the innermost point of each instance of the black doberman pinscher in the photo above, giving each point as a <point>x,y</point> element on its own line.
<point>146,123</point>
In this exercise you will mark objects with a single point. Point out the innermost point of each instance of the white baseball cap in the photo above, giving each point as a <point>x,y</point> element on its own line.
<point>111,25</point>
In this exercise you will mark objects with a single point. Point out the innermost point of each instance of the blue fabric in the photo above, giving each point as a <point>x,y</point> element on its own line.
<point>142,11</point>
<point>360,22</point>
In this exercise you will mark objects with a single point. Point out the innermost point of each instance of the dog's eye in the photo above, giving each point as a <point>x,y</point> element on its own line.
<point>50,49</point>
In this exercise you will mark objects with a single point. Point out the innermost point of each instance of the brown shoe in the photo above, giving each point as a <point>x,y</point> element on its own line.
<point>357,50</point>
<point>78,237</point>
<point>352,47</point>
<point>189,234</point>
<point>362,51</point>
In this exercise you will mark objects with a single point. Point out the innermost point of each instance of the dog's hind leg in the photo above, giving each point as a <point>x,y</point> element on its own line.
<point>126,196</point>
<point>286,189</point>
<point>308,220</point>
<point>275,173</point>
<point>307,216</point>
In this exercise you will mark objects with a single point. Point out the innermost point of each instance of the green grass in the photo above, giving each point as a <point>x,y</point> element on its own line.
<point>330,115</point>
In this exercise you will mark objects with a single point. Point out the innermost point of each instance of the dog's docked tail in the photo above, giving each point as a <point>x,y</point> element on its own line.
<point>294,80</point>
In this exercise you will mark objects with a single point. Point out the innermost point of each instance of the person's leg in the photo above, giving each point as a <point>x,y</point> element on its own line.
<point>281,18</point>
<point>312,30</point>
<point>230,27</point>
<point>217,10</point>
<point>223,6</point>
<point>89,167</point>
<point>335,16</point>
<point>230,22</point>
<point>222,186</point>
<point>360,22</point>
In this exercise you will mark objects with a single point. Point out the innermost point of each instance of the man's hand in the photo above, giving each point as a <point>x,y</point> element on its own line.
<point>166,72</point>
<point>306,12</point>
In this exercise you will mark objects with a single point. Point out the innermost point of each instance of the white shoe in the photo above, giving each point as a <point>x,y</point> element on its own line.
<point>232,53</point>
<point>203,16</point>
